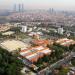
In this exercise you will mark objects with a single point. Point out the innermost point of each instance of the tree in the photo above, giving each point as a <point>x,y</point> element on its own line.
<point>73,61</point>
<point>9,64</point>
<point>63,70</point>
<point>16,29</point>
<point>45,59</point>
<point>58,52</point>
<point>72,47</point>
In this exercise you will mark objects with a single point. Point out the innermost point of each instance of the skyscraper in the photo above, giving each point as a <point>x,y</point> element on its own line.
<point>19,7</point>
<point>14,9</point>
<point>22,7</point>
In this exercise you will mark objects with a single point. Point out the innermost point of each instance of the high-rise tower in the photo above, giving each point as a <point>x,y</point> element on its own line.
<point>22,7</point>
<point>14,9</point>
<point>19,7</point>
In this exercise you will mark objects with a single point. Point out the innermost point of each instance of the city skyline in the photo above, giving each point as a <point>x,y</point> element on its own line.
<point>39,4</point>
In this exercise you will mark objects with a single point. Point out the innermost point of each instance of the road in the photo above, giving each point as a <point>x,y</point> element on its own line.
<point>57,64</point>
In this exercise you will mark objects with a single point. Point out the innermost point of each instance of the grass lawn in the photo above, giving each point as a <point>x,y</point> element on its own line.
<point>22,35</point>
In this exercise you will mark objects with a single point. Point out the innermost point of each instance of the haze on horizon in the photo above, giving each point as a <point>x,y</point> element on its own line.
<point>39,4</point>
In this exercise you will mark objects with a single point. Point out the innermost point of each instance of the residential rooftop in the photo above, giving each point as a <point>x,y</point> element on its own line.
<point>34,53</point>
<point>65,42</point>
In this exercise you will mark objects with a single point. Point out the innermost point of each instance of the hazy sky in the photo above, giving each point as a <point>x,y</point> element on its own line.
<point>40,4</point>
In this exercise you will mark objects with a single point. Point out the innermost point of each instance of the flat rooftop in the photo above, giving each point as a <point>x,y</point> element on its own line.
<point>4,28</point>
<point>12,45</point>
<point>8,33</point>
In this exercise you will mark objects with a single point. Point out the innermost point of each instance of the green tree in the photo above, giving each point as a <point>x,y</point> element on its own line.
<point>58,52</point>
<point>72,47</point>
<point>73,61</point>
<point>9,64</point>
<point>45,59</point>
<point>64,71</point>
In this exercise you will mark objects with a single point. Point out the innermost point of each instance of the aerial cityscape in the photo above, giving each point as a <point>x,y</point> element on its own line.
<point>37,37</point>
